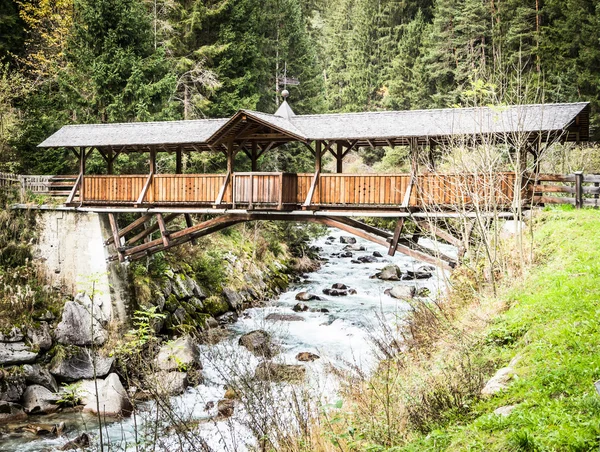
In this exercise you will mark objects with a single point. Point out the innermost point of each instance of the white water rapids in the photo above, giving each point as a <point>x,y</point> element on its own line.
<point>340,337</point>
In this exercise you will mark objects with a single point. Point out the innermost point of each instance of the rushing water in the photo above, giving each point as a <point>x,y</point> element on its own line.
<point>340,337</point>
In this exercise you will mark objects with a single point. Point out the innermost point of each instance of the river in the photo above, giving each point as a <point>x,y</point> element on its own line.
<point>340,337</point>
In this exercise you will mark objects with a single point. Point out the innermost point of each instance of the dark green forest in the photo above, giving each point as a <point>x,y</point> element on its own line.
<point>84,61</point>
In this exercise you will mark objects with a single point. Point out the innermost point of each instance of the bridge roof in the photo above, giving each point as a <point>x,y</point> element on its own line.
<point>569,120</point>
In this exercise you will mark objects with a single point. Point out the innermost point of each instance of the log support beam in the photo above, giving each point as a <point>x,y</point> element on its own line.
<point>191,232</point>
<point>396,237</point>
<point>116,237</point>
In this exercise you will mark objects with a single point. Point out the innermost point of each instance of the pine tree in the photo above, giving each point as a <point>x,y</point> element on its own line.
<point>117,74</point>
<point>12,31</point>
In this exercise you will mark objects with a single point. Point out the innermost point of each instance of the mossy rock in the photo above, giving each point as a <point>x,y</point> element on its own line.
<point>215,306</point>
<point>172,303</point>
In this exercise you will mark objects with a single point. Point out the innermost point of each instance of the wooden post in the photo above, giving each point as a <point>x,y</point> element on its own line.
<point>318,155</point>
<point>280,204</point>
<point>189,223</point>
<point>396,238</point>
<point>254,157</point>
<point>251,193</point>
<point>109,161</point>
<point>340,158</point>
<point>432,156</point>
<point>81,172</point>
<point>152,161</point>
<point>578,189</point>
<point>230,156</point>
<point>163,229</point>
<point>178,162</point>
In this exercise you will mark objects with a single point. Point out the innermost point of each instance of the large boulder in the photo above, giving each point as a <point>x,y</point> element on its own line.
<point>40,337</point>
<point>307,357</point>
<point>112,399</point>
<point>39,400</point>
<point>498,382</point>
<point>93,306</point>
<point>347,240</point>
<point>307,296</point>
<point>181,354</point>
<point>78,327</point>
<point>82,442</point>
<point>77,364</point>
<point>401,292</point>
<point>300,307</point>
<point>354,248</point>
<point>365,260</point>
<point>11,412</point>
<point>12,386</point>
<point>14,335</point>
<point>225,408</point>
<point>274,317</point>
<point>335,292</point>
<point>227,318</point>
<point>259,343</point>
<point>37,375</point>
<point>169,383</point>
<point>233,299</point>
<point>290,373</point>
<point>16,353</point>
<point>411,275</point>
<point>390,273</point>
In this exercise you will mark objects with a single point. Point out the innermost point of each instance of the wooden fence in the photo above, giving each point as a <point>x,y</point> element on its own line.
<point>577,189</point>
<point>54,186</point>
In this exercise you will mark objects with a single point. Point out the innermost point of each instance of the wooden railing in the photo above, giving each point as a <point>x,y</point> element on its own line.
<point>290,191</point>
<point>577,189</point>
<point>390,189</point>
<point>55,186</point>
<point>265,189</point>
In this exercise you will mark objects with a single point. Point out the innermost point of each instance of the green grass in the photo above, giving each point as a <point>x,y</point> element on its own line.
<point>553,326</point>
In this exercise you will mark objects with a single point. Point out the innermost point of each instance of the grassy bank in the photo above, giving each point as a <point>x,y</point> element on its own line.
<point>546,325</point>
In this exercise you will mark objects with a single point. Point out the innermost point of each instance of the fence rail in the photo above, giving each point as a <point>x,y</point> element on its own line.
<point>578,189</point>
<point>55,186</point>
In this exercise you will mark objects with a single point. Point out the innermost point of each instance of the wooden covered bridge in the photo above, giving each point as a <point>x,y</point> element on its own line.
<point>334,199</point>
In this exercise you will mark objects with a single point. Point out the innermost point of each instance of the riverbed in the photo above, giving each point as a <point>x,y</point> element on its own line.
<point>338,329</point>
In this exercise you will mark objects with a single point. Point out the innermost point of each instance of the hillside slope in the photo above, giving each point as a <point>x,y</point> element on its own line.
<point>551,333</point>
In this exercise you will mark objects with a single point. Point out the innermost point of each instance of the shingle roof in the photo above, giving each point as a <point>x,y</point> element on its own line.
<point>348,126</point>
<point>134,133</point>
<point>438,123</point>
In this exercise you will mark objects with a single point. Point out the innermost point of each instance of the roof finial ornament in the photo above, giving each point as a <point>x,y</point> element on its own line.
<point>285,110</point>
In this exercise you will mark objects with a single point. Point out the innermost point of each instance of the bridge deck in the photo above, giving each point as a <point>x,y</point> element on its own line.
<point>287,191</point>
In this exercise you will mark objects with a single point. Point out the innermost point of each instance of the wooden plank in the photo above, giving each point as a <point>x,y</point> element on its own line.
<point>116,238</point>
<point>591,178</point>
<point>151,229</point>
<point>396,237</point>
<point>553,189</point>
<point>136,224</point>
<point>163,229</point>
<point>311,192</point>
<point>187,231</point>
<point>556,178</point>
<point>140,199</point>
<point>553,200</point>
<point>75,188</point>
<point>221,194</point>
